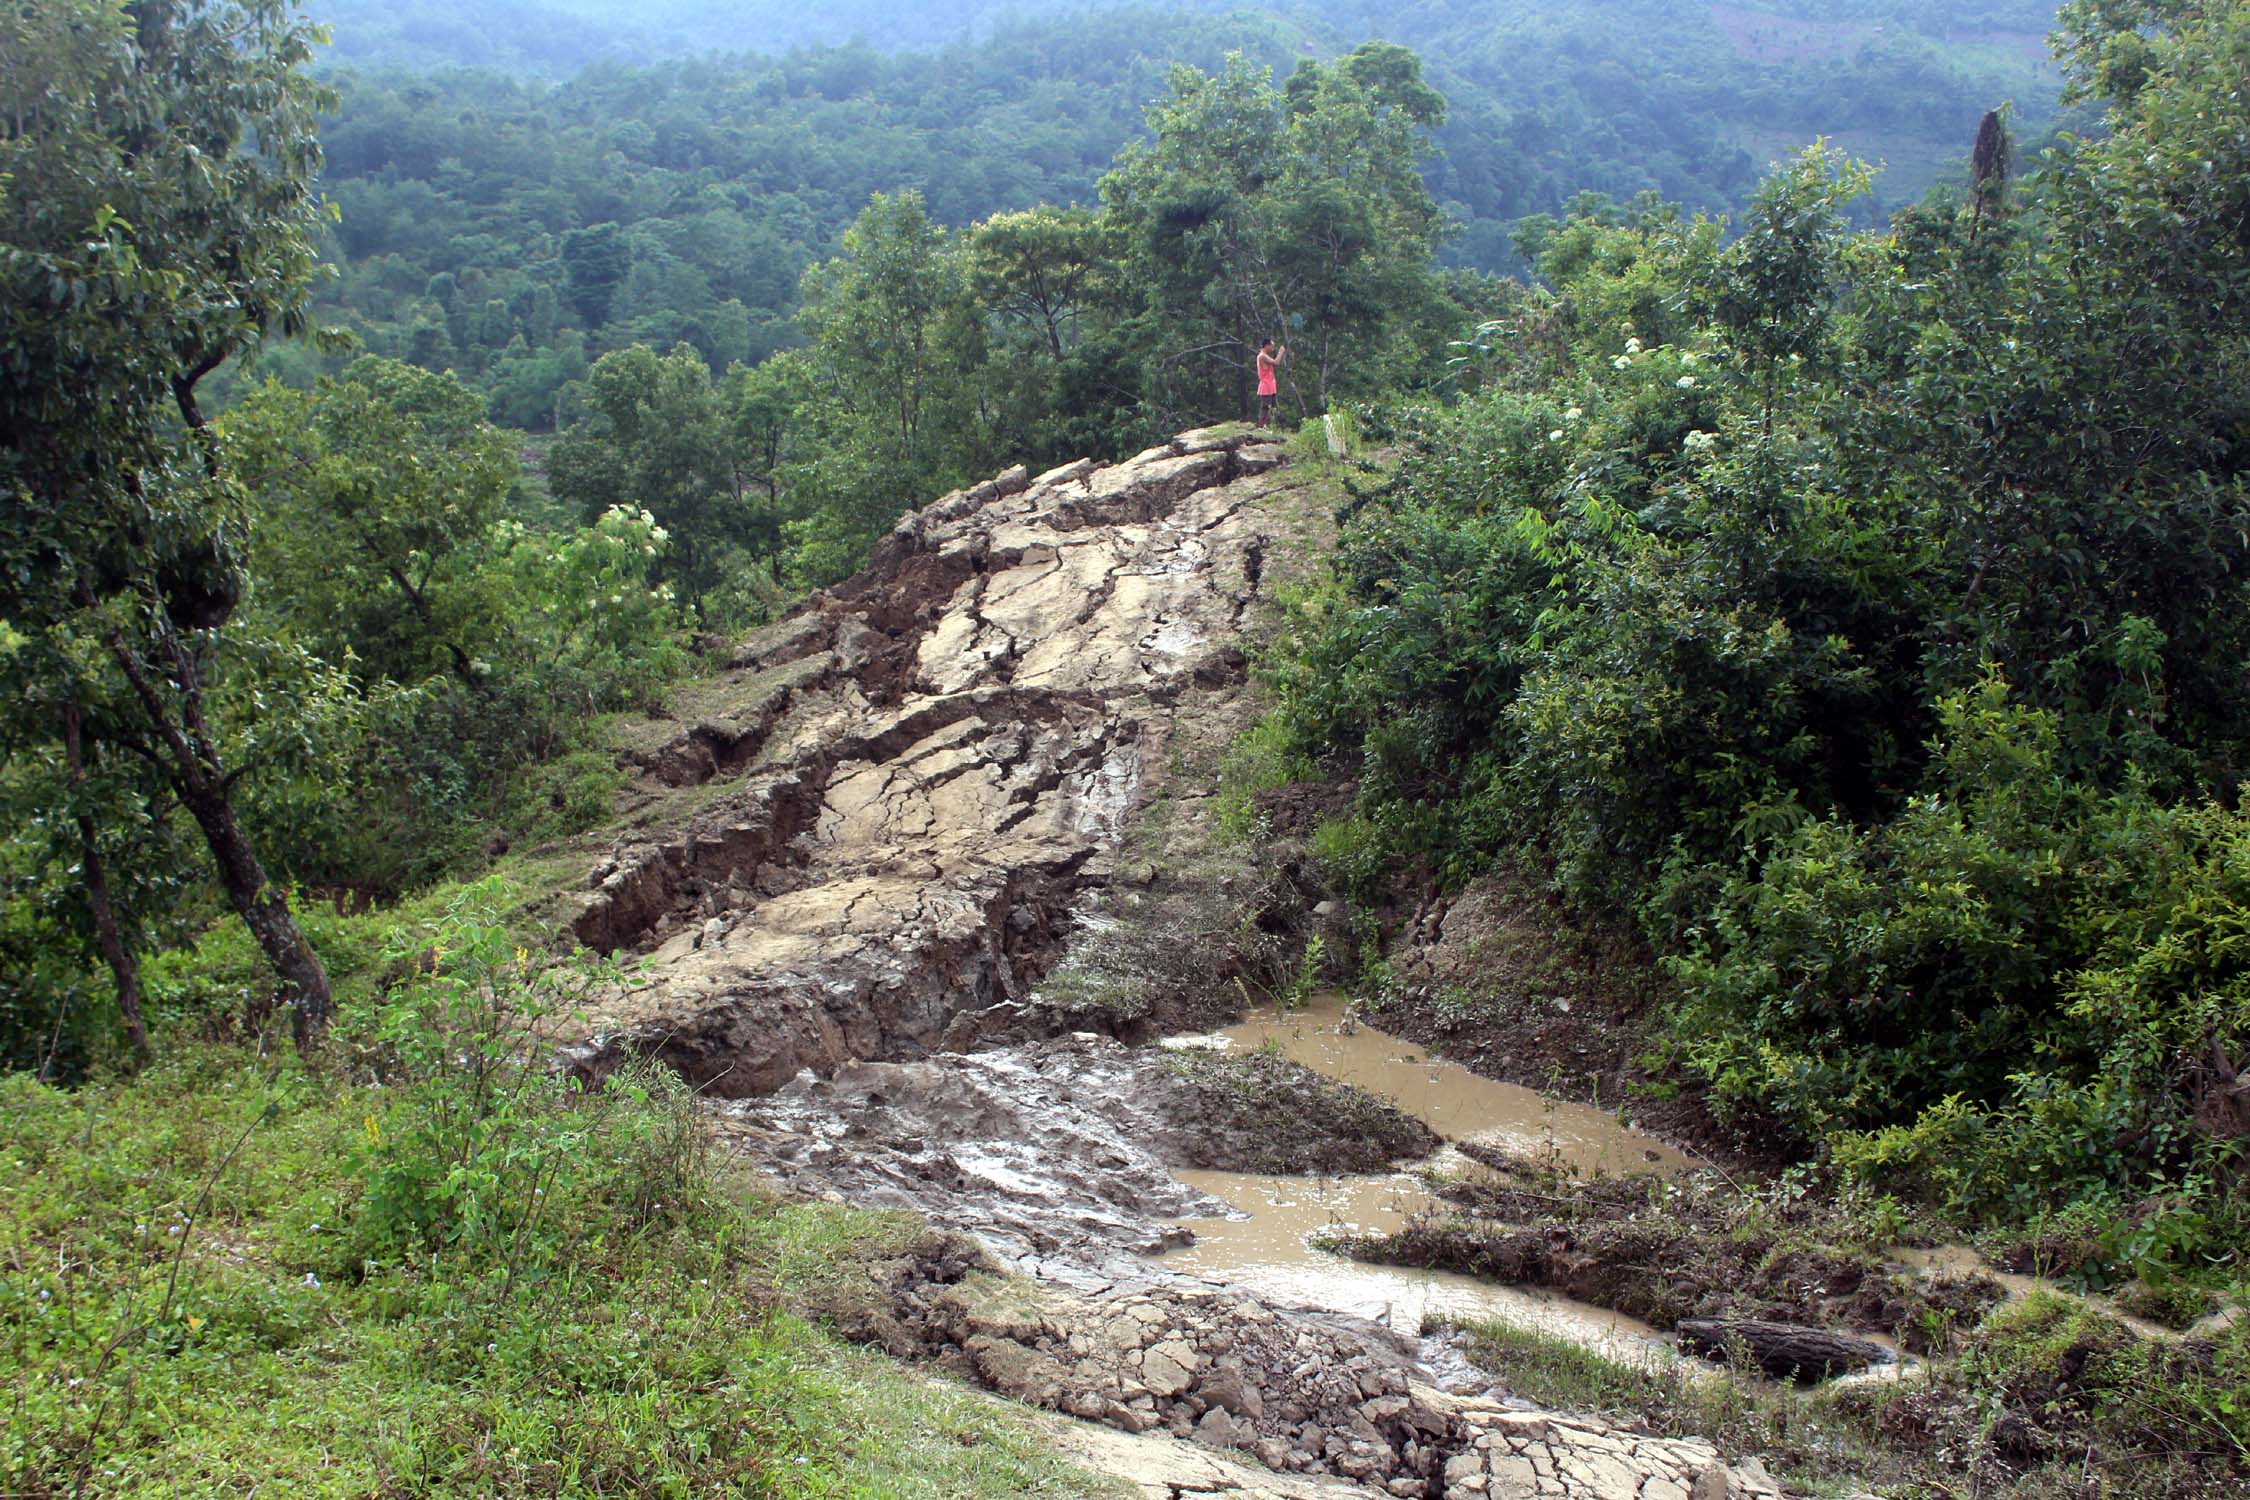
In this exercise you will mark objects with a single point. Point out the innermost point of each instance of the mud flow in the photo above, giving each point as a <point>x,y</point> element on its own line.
<point>1451,1100</point>
<point>886,826</point>
<point>1271,1240</point>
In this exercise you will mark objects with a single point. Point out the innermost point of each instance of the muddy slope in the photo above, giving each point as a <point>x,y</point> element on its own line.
<point>910,800</point>
<point>933,766</point>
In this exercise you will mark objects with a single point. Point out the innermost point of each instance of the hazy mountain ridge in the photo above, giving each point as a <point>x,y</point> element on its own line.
<point>559,36</point>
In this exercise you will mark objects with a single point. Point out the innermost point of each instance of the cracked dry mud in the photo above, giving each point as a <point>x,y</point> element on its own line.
<point>918,787</point>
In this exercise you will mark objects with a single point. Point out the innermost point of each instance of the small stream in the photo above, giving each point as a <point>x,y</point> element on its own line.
<point>1267,1244</point>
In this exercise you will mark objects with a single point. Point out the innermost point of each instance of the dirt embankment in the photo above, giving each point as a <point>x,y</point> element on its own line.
<point>1670,1252</point>
<point>913,801</point>
<point>933,765</point>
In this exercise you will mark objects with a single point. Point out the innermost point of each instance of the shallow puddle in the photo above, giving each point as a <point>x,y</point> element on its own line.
<point>1451,1100</point>
<point>1270,1251</point>
<point>1267,1245</point>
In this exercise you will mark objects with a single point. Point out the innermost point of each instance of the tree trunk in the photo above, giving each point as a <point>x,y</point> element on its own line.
<point>1786,1351</point>
<point>123,966</point>
<point>199,780</point>
<point>265,911</point>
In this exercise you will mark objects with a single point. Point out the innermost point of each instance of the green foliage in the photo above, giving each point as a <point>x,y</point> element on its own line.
<point>662,437</point>
<point>1264,758</point>
<point>375,496</point>
<point>135,259</point>
<point>2141,1421</point>
<point>999,108</point>
<point>2185,1414</point>
<point>1354,854</point>
<point>1861,616</point>
<point>1310,976</point>
<point>388,532</point>
<point>477,1142</point>
<point>457,1272</point>
<point>1292,213</point>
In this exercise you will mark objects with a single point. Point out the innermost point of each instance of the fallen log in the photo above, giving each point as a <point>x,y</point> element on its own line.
<point>1786,1351</point>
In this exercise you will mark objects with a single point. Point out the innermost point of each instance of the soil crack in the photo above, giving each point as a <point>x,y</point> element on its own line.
<point>915,807</point>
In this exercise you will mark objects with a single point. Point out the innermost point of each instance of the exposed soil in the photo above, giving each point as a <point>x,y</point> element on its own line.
<point>1504,979</point>
<point>920,871</point>
<point>1260,1112</point>
<point>1298,1395</point>
<point>929,770</point>
<point>1667,1251</point>
<point>1058,1156</point>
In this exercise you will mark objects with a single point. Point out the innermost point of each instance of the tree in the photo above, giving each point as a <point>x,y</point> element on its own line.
<point>375,498</point>
<point>157,214</point>
<point>1297,214</point>
<point>1354,225</point>
<point>595,264</point>
<point>659,438</point>
<point>767,400</point>
<point>890,318</point>
<point>1188,203</point>
<point>1040,268</point>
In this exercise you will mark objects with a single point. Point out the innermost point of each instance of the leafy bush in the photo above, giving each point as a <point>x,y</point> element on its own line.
<point>465,1161</point>
<point>390,535</point>
<point>1263,758</point>
<point>1799,598</point>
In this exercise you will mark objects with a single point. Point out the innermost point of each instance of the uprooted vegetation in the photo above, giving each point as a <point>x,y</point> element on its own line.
<point>2047,1399</point>
<point>1668,1249</point>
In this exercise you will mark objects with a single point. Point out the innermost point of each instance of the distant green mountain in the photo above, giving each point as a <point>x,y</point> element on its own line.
<point>731,143</point>
<point>558,37</point>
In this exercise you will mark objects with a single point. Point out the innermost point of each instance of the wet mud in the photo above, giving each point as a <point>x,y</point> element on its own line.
<point>912,803</point>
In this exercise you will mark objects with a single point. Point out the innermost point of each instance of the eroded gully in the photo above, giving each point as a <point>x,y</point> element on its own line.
<point>917,795</point>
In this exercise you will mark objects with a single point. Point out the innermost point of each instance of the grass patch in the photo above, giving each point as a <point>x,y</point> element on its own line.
<point>2049,1401</point>
<point>418,1268</point>
<point>1263,758</point>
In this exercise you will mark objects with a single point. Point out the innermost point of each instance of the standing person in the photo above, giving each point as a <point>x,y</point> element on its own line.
<point>1270,356</point>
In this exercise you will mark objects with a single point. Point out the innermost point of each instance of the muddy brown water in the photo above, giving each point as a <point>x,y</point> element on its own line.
<point>1269,1243</point>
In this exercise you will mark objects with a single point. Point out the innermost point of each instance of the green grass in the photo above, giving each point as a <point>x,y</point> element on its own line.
<point>1673,1398</point>
<point>192,1303</point>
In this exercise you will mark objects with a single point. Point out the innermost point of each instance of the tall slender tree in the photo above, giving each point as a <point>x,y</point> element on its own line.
<point>157,209</point>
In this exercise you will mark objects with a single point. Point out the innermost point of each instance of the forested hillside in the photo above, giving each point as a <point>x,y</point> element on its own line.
<point>1857,618</point>
<point>513,229</point>
<point>437,542</point>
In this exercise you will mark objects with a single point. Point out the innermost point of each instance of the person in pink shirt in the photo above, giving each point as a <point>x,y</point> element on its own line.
<point>1270,357</point>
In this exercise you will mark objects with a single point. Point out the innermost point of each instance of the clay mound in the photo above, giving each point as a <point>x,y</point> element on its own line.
<point>1263,1113</point>
<point>934,766</point>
